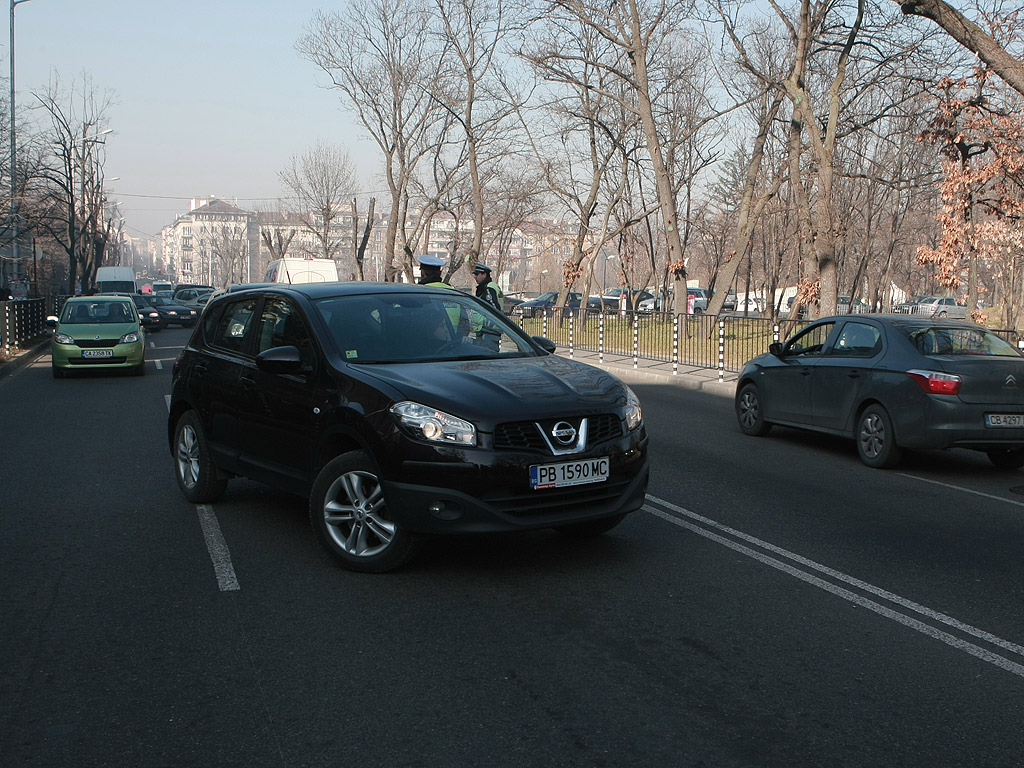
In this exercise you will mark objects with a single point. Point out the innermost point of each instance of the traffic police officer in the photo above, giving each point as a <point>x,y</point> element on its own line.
<point>487,290</point>
<point>487,335</point>
<point>430,271</point>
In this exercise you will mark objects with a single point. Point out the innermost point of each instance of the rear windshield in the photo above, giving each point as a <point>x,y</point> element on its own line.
<point>937,340</point>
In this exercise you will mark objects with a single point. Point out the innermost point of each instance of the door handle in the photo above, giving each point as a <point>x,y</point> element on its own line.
<point>247,382</point>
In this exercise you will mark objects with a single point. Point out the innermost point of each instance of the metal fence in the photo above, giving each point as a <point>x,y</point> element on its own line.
<point>701,341</point>
<point>21,321</point>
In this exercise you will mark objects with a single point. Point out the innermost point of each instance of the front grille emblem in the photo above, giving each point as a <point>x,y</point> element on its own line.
<point>564,433</point>
<point>1011,381</point>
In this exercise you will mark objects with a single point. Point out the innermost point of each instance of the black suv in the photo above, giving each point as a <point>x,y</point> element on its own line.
<point>401,411</point>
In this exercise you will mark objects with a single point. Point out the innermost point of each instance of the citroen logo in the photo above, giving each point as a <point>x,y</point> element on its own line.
<point>564,433</point>
<point>1011,381</point>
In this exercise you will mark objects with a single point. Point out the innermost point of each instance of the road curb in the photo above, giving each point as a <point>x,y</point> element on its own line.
<point>35,348</point>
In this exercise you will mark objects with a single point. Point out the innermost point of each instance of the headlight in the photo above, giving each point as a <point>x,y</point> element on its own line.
<point>129,338</point>
<point>633,414</point>
<point>432,424</point>
<point>171,312</point>
<point>63,338</point>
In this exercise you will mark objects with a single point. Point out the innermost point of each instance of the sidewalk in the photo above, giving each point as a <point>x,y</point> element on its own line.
<point>658,372</point>
<point>25,355</point>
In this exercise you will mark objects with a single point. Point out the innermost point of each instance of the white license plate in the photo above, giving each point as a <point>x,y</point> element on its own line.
<point>97,353</point>
<point>568,473</point>
<point>1004,419</point>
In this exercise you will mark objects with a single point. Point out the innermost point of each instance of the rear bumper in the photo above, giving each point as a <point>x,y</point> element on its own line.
<point>950,423</point>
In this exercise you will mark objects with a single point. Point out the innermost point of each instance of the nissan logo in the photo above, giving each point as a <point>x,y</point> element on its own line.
<point>564,433</point>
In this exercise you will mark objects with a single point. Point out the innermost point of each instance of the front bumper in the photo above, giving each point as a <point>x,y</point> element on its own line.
<point>493,494</point>
<point>69,356</point>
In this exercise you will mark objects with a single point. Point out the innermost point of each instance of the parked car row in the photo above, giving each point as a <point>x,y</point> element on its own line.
<point>932,306</point>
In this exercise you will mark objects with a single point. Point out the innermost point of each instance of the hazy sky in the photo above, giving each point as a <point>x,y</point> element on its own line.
<point>211,98</point>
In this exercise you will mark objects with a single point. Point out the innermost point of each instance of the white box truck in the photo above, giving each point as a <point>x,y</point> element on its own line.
<point>115,280</point>
<point>297,270</point>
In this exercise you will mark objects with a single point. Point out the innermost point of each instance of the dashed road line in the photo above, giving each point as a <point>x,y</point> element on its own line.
<point>218,549</point>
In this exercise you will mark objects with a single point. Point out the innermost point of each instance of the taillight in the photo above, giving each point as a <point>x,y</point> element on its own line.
<point>935,383</point>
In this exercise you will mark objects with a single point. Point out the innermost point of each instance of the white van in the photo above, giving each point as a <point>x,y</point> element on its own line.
<point>296,270</point>
<point>115,280</point>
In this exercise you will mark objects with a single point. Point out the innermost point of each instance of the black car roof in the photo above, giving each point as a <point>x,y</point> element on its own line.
<point>314,291</point>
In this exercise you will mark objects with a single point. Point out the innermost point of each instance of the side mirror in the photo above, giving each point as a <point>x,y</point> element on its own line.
<point>775,348</point>
<point>546,344</point>
<point>280,360</point>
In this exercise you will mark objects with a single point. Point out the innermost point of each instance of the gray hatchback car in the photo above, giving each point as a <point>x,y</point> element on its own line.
<point>892,382</point>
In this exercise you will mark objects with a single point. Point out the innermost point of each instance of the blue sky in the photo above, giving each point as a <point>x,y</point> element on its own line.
<point>210,97</point>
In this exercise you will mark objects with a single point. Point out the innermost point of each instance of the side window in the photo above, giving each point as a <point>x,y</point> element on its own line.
<point>232,329</point>
<point>857,340</point>
<point>809,342</point>
<point>281,325</point>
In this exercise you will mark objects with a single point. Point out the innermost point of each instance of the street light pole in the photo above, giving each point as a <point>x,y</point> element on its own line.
<point>14,157</point>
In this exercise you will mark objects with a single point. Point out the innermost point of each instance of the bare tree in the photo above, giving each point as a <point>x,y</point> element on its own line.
<point>380,56</point>
<point>73,206</point>
<point>472,33</point>
<point>321,181</point>
<point>359,242</point>
<point>970,36</point>
<point>640,35</point>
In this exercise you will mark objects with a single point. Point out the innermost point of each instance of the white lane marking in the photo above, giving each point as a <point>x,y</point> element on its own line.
<point>159,365</point>
<point>167,401</point>
<point>218,549</point>
<point>963,645</point>
<point>961,488</point>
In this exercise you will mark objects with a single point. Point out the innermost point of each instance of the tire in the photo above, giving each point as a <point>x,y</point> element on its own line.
<point>590,528</point>
<point>140,369</point>
<point>350,516</point>
<point>942,314</point>
<point>876,439</point>
<point>1011,458</point>
<point>749,413</point>
<point>197,476</point>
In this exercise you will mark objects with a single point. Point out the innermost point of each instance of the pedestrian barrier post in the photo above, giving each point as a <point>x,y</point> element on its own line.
<point>721,350</point>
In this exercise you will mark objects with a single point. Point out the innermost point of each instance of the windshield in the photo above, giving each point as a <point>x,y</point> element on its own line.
<point>81,312</point>
<point>954,340</point>
<point>389,328</point>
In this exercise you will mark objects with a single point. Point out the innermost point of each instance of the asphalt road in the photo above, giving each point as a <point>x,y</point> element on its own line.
<point>776,604</point>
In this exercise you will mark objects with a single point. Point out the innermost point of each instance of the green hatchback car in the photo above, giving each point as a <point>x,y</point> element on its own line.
<point>97,332</point>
